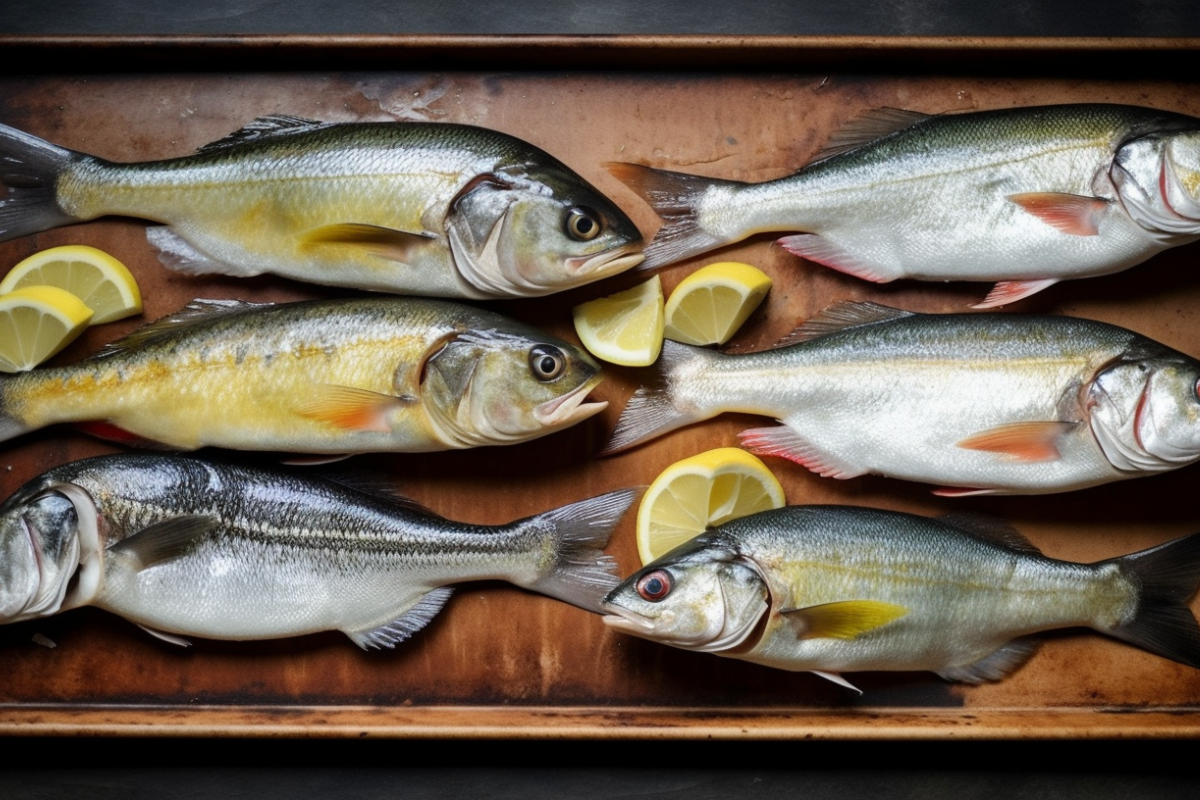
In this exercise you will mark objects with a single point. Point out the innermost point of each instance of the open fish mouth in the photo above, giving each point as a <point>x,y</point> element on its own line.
<point>609,262</point>
<point>570,408</point>
<point>626,621</point>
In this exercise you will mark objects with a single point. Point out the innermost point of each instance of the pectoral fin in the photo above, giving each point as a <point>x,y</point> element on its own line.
<point>1073,214</point>
<point>388,243</point>
<point>846,620</point>
<point>350,408</point>
<point>834,677</point>
<point>1021,441</point>
<point>165,541</point>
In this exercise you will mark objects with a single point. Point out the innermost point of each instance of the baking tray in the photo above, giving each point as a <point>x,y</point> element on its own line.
<point>498,662</point>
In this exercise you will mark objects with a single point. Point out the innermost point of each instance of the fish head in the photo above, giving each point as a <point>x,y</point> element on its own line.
<point>39,552</point>
<point>1157,178</point>
<point>697,597</point>
<point>502,386</point>
<point>532,229</point>
<point>1145,412</point>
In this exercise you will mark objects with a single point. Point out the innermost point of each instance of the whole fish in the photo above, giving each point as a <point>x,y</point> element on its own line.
<point>415,208</point>
<point>183,547</point>
<point>831,589</point>
<point>1025,196</point>
<point>327,376</point>
<point>980,403</point>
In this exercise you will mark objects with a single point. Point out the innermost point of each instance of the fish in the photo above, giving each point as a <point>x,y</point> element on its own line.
<point>187,547</point>
<point>333,377</point>
<point>432,209</point>
<point>833,589</point>
<point>976,403</point>
<point>1023,197</point>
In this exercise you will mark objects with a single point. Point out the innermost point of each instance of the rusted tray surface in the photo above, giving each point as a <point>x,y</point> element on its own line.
<point>498,661</point>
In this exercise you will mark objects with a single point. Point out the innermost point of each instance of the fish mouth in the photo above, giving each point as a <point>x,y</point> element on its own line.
<point>626,621</point>
<point>607,263</point>
<point>570,408</point>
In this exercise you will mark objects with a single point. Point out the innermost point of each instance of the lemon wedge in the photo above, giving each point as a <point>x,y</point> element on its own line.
<point>708,306</point>
<point>99,280</point>
<point>35,323</point>
<point>700,492</point>
<point>625,328</point>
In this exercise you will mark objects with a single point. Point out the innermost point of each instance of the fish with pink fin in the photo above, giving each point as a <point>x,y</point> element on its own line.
<point>1022,197</point>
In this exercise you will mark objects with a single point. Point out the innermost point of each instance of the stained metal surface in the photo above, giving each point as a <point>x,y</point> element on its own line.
<point>500,662</point>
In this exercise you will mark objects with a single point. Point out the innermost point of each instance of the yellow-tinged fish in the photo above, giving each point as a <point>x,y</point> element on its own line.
<point>415,208</point>
<point>831,589</point>
<point>1025,197</point>
<point>330,376</point>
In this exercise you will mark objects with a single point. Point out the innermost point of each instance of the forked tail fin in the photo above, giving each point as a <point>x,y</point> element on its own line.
<point>29,170</point>
<point>1168,576</point>
<point>676,198</point>
<point>659,407</point>
<point>576,571</point>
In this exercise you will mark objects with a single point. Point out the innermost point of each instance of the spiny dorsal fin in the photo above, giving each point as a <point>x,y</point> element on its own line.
<point>261,128</point>
<point>840,317</point>
<point>988,527</point>
<point>874,124</point>
<point>195,311</point>
<point>166,540</point>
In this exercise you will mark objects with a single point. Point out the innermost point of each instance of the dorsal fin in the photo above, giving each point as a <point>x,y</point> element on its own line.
<point>840,317</point>
<point>261,128</point>
<point>988,527</point>
<point>874,124</point>
<point>195,311</point>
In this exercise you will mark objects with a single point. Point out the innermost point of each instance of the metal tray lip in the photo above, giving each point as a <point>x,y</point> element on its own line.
<point>589,722</point>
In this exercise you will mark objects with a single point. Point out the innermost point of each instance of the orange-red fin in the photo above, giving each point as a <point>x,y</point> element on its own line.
<point>351,409</point>
<point>1021,441</point>
<point>386,243</point>
<point>115,433</point>
<point>786,443</point>
<point>1070,213</point>
<point>1006,292</point>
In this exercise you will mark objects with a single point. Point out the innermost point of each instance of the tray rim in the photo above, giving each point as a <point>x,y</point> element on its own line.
<point>486,722</point>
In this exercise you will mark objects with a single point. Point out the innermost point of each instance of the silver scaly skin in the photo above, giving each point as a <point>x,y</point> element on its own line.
<point>352,375</point>
<point>1024,196</point>
<point>184,547</point>
<point>428,209</point>
<point>977,403</point>
<point>832,589</point>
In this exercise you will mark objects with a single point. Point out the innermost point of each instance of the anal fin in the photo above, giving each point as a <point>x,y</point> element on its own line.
<point>830,254</point>
<point>834,677</point>
<point>1006,292</point>
<point>178,255</point>
<point>403,627</point>
<point>786,443</point>
<point>994,666</point>
<point>169,638</point>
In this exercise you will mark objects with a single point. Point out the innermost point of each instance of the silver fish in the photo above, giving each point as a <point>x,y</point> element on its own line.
<point>415,208</point>
<point>183,547</point>
<point>832,589</point>
<point>340,376</point>
<point>980,403</point>
<point>1025,196</point>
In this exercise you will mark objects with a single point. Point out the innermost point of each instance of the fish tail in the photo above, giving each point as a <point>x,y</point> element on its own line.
<point>658,408</point>
<point>676,197</point>
<point>29,170</point>
<point>578,572</point>
<point>1167,576</point>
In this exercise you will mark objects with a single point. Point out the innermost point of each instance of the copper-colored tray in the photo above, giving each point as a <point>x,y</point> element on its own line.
<point>500,662</point>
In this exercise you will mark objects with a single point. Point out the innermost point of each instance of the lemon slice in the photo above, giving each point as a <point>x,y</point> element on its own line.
<point>35,323</point>
<point>99,280</point>
<point>625,328</point>
<point>708,306</point>
<point>700,492</point>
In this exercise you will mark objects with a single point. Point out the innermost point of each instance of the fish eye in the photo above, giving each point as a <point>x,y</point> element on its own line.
<point>583,224</point>
<point>547,362</point>
<point>654,586</point>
